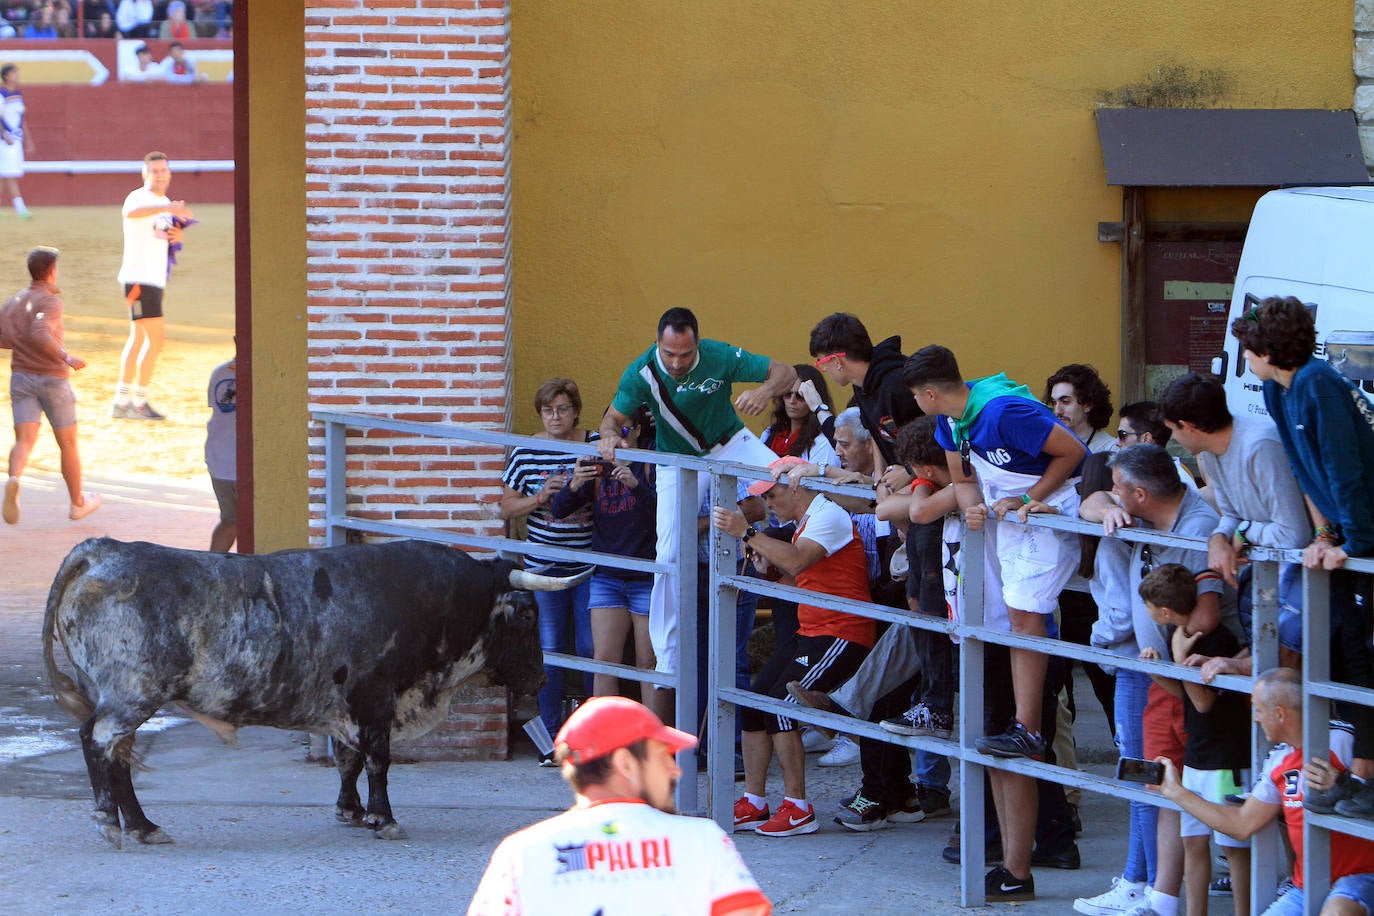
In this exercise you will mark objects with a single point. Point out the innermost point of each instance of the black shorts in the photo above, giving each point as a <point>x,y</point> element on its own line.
<point>818,662</point>
<point>144,301</point>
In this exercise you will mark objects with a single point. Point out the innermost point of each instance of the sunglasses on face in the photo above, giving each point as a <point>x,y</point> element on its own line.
<point>1123,434</point>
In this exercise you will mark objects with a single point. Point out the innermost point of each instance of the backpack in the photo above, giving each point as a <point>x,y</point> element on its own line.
<point>13,317</point>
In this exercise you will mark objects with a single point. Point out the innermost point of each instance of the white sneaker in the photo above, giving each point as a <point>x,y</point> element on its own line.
<point>89,503</point>
<point>842,754</point>
<point>815,741</point>
<point>1121,898</point>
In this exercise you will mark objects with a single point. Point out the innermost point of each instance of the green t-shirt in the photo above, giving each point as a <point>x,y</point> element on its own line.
<point>700,401</point>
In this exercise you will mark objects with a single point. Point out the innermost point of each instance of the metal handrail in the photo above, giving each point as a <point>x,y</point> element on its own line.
<point>723,696</point>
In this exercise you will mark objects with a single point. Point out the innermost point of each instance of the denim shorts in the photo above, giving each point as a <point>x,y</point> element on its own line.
<point>33,396</point>
<point>609,591</point>
<point>1359,888</point>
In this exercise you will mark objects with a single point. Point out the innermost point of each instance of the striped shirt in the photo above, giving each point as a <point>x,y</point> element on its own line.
<point>526,472</point>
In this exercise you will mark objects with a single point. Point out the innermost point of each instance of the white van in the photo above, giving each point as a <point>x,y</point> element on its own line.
<point>1316,244</point>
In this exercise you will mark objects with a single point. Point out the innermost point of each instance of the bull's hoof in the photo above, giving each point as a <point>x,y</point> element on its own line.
<point>152,837</point>
<point>110,833</point>
<point>392,831</point>
<point>354,818</point>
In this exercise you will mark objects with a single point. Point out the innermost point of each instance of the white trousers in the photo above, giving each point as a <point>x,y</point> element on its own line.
<point>744,447</point>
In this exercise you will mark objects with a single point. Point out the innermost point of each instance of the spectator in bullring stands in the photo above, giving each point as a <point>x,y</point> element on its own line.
<point>1278,794</point>
<point>62,20</point>
<point>203,18</point>
<point>1083,403</point>
<point>144,70</point>
<point>1256,495</point>
<point>224,16</point>
<point>532,478</point>
<point>622,500</point>
<point>825,556</point>
<point>177,67</point>
<point>795,428</point>
<point>134,18</point>
<point>1024,461</point>
<point>1147,493</point>
<point>91,11</point>
<point>42,23</point>
<point>176,27</point>
<point>1216,752</point>
<point>1327,429</point>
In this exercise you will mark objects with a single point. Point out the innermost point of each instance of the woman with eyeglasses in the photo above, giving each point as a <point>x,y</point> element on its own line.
<point>531,479</point>
<point>796,428</point>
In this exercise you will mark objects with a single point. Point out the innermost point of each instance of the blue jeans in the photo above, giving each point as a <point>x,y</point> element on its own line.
<point>1359,888</point>
<point>1132,687</point>
<point>555,609</point>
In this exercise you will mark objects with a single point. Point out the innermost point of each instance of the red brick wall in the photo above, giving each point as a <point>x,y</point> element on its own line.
<point>408,248</point>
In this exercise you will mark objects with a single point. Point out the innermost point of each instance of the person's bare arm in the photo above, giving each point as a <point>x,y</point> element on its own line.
<point>176,208</point>
<point>611,425</point>
<point>781,377</point>
<point>789,558</point>
<point>1241,823</point>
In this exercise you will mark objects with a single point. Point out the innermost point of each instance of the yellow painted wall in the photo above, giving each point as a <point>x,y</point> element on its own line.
<point>932,167</point>
<point>277,192</point>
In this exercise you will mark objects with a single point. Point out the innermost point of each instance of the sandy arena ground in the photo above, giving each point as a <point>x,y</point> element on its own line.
<point>200,327</point>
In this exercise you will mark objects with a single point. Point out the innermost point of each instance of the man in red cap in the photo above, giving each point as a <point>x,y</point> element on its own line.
<point>621,844</point>
<point>825,555</point>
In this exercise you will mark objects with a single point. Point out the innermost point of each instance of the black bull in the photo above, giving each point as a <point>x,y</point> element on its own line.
<point>363,643</point>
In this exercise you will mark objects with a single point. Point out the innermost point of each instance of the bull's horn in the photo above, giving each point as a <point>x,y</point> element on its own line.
<point>520,578</point>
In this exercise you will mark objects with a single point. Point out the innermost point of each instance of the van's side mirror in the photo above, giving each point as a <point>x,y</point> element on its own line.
<point>1219,364</point>
<point>1352,352</point>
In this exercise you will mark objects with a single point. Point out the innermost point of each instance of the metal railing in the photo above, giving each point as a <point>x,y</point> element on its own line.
<point>722,694</point>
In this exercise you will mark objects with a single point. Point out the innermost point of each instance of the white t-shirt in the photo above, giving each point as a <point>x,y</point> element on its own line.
<point>826,524</point>
<point>615,858</point>
<point>145,240</point>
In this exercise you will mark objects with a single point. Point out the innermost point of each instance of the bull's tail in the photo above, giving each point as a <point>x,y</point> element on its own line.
<point>65,690</point>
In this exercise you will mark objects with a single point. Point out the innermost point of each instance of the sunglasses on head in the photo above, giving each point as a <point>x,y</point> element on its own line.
<point>1147,560</point>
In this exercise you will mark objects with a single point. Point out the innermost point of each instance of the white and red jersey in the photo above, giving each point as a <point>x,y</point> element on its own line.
<point>1282,783</point>
<point>619,857</point>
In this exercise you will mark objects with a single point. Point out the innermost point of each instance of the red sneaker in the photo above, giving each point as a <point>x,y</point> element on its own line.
<point>747,817</point>
<point>789,821</point>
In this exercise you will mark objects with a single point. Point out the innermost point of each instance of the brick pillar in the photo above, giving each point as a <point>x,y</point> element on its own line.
<point>408,253</point>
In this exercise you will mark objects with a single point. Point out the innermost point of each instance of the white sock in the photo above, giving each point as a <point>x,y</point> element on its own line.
<point>140,396</point>
<point>758,801</point>
<point>1163,904</point>
<point>799,802</point>
<point>121,397</point>
<point>19,205</point>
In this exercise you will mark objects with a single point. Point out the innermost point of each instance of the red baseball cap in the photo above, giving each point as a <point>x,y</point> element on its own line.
<point>602,724</point>
<point>760,487</point>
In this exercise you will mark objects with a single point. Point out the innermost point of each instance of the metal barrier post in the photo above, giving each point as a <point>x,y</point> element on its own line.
<point>720,715</point>
<point>971,800</point>
<point>1316,727</point>
<point>1267,855</point>
<point>686,562</point>
<point>335,482</point>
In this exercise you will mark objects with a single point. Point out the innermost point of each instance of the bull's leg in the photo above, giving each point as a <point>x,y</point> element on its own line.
<point>135,821</point>
<point>111,781</point>
<point>375,743</point>
<point>349,807</point>
<point>100,768</point>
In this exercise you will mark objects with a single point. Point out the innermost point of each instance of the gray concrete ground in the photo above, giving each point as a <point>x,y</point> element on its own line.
<point>253,826</point>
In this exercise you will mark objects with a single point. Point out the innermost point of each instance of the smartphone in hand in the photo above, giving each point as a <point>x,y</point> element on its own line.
<point>1133,769</point>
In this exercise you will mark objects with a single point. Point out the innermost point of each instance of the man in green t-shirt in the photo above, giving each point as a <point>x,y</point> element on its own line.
<point>686,383</point>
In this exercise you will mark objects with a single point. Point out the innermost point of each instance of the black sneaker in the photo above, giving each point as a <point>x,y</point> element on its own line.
<point>1067,858</point>
<point>1325,801</point>
<point>861,814</point>
<point>1360,804</point>
<point>1016,741</point>
<point>933,802</point>
<point>907,811</point>
<point>920,722</point>
<point>992,852</point>
<point>1001,885</point>
<point>1221,887</point>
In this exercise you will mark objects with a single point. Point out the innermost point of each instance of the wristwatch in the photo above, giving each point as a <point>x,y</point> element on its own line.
<point>749,533</point>
<point>1242,530</point>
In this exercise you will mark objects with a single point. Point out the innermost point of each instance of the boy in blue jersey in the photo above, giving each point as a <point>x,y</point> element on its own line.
<point>1008,454</point>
